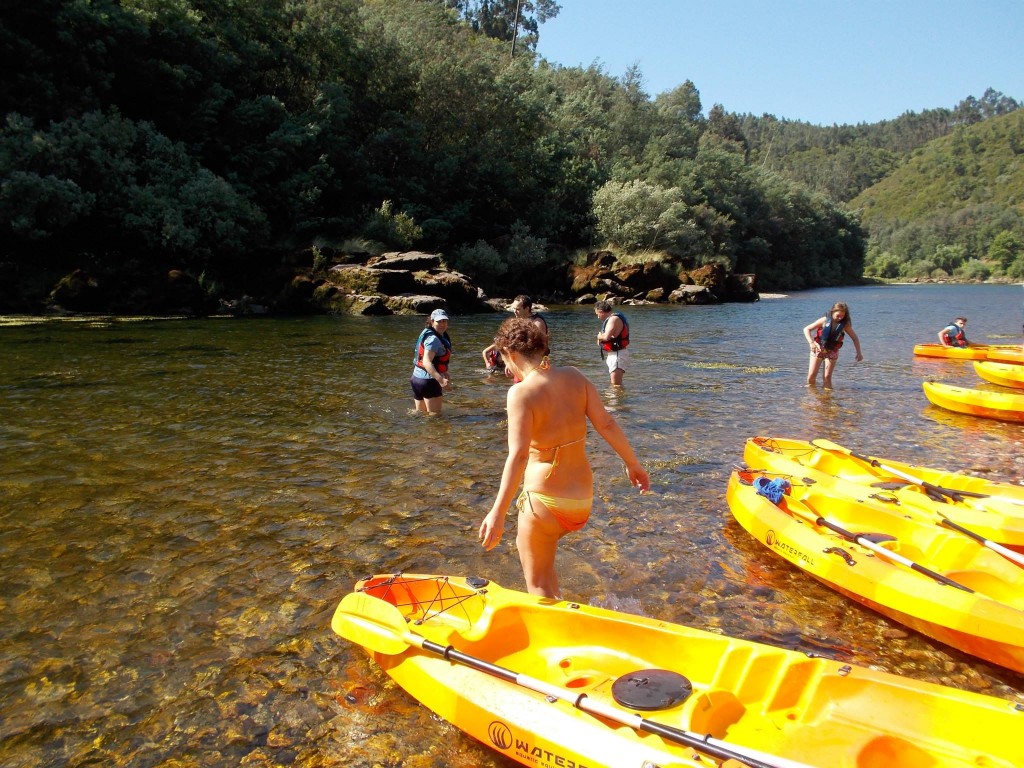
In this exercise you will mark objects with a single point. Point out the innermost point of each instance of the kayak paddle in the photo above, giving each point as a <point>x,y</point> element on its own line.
<point>379,626</point>
<point>1009,554</point>
<point>865,540</point>
<point>937,490</point>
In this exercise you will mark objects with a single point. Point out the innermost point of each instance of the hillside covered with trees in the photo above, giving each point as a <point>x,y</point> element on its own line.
<point>939,193</point>
<point>232,139</point>
<point>956,207</point>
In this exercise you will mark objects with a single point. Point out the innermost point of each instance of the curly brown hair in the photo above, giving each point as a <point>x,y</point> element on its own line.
<point>521,334</point>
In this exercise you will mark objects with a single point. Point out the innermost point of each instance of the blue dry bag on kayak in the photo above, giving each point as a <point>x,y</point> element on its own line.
<point>771,489</point>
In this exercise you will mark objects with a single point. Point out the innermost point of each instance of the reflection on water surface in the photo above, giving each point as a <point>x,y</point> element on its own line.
<point>185,502</point>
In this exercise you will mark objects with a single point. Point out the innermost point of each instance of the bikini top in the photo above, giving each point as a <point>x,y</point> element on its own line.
<point>556,449</point>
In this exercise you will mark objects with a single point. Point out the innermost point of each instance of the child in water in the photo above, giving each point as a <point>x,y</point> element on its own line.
<point>829,332</point>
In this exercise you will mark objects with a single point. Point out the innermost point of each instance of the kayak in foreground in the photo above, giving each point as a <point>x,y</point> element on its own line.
<point>991,510</point>
<point>933,580</point>
<point>554,683</point>
<point>1005,406</point>
<point>1005,374</point>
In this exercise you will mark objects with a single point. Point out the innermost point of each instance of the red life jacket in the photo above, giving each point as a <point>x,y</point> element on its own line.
<point>615,343</point>
<point>440,361</point>
<point>955,335</point>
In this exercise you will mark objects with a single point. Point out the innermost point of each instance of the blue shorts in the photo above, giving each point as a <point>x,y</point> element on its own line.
<point>425,389</point>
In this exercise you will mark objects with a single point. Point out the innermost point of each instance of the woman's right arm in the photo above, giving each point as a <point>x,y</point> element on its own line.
<point>428,366</point>
<point>486,352</point>
<point>809,329</point>
<point>519,436</point>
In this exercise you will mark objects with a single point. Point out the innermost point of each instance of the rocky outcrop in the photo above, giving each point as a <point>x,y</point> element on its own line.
<point>409,283</point>
<point>402,283</point>
<point>602,277</point>
<point>132,291</point>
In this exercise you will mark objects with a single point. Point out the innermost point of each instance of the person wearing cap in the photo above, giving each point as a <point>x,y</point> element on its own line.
<point>430,366</point>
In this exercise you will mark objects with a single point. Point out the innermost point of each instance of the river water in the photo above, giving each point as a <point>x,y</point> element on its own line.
<point>184,503</point>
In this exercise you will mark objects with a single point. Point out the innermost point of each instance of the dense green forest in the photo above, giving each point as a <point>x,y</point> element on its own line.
<point>236,140</point>
<point>222,137</point>
<point>940,193</point>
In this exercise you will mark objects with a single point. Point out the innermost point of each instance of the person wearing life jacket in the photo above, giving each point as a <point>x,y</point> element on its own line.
<point>521,306</point>
<point>613,340</point>
<point>953,334</point>
<point>825,336</point>
<point>430,366</point>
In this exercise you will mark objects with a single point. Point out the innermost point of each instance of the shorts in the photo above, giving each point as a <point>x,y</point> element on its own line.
<point>826,354</point>
<point>425,389</point>
<point>616,360</point>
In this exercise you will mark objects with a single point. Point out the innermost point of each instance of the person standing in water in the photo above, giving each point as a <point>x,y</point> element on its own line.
<point>828,334</point>
<point>613,339</point>
<point>430,366</point>
<point>547,433</point>
<point>521,306</point>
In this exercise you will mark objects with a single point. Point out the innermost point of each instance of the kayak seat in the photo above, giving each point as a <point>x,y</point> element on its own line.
<point>889,751</point>
<point>713,712</point>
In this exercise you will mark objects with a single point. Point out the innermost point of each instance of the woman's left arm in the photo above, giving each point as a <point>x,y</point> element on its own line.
<point>609,429</point>
<point>856,341</point>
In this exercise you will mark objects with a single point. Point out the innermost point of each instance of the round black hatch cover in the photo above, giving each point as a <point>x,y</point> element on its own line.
<point>651,689</point>
<point>889,485</point>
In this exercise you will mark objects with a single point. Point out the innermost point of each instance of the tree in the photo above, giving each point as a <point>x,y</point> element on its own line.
<point>1006,248</point>
<point>514,21</point>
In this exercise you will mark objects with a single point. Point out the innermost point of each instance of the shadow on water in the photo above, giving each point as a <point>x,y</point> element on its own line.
<point>184,504</point>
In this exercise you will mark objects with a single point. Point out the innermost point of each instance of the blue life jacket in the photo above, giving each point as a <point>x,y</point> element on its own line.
<point>830,336</point>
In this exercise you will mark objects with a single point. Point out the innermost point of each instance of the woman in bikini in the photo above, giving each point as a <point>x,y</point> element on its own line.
<point>547,434</point>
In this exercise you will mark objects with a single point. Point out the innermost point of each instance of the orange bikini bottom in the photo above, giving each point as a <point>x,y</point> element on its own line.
<point>571,513</point>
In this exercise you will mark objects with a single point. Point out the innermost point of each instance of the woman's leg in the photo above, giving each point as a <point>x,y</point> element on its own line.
<point>830,365</point>
<point>433,404</point>
<point>537,541</point>
<point>812,371</point>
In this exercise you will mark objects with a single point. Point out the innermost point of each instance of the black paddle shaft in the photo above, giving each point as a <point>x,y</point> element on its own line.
<point>930,487</point>
<point>849,536</point>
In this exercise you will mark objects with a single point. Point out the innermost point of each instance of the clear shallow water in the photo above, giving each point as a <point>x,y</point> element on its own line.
<point>183,503</point>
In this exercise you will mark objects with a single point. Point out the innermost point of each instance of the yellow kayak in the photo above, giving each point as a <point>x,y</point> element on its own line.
<point>936,581</point>
<point>1005,406</point>
<point>973,352</point>
<point>991,510</point>
<point>1006,354</point>
<point>557,684</point>
<point>1005,374</point>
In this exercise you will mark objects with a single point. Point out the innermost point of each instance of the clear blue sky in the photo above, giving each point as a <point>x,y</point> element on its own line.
<point>821,61</point>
